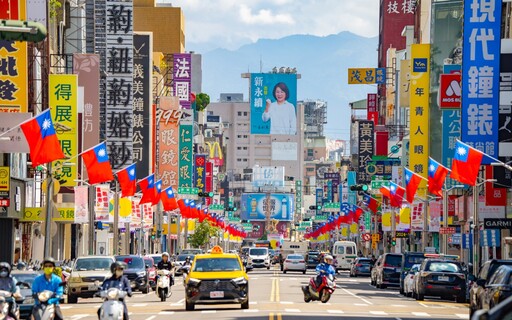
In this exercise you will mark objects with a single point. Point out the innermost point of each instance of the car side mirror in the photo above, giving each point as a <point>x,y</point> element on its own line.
<point>147,267</point>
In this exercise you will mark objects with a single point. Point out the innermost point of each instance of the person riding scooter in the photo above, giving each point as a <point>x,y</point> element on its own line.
<point>325,268</point>
<point>119,281</point>
<point>51,282</point>
<point>8,283</point>
<point>167,264</point>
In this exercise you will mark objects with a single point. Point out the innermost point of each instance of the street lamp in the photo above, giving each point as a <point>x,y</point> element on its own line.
<point>446,192</point>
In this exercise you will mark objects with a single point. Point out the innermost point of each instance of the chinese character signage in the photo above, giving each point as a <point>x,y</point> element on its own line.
<point>372,112</point>
<point>268,176</point>
<point>168,116</point>
<point>13,63</point>
<point>257,206</point>
<point>119,82</point>
<point>419,112</point>
<point>200,172</point>
<point>365,152</point>
<point>81,204</point>
<point>5,182</point>
<point>451,132</point>
<point>273,103</point>
<point>63,90</point>
<point>397,7</point>
<point>142,106</point>
<point>366,75</point>
<point>382,168</point>
<point>450,91</point>
<point>481,75</point>
<point>182,78</point>
<point>185,156</point>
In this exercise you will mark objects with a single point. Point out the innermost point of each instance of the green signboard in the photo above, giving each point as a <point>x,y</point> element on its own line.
<point>186,156</point>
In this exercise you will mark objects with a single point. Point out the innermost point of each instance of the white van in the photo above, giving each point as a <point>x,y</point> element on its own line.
<point>344,252</point>
<point>258,258</point>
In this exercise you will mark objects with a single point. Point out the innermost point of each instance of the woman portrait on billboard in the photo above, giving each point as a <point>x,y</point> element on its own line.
<point>281,113</point>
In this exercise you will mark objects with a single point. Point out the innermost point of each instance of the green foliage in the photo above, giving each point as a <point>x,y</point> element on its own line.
<point>54,7</point>
<point>202,101</point>
<point>204,231</point>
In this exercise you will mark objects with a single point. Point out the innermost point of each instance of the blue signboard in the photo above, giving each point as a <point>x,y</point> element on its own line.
<point>273,103</point>
<point>490,238</point>
<point>255,206</point>
<point>467,240</point>
<point>480,75</point>
<point>451,132</point>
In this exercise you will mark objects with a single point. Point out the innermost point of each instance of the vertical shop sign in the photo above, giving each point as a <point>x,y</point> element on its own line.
<point>366,137</point>
<point>185,156</point>
<point>182,78</point>
<point>168,117</point>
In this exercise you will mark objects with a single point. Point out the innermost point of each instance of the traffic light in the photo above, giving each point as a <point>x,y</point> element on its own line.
<point>153,235</point>
<point>317,207</point>
<point>393,241</point>
<point>359,187</point>
<point>159,233</point>
<point>231,209</point>
<point>15,30</point>
<point>205,194</point>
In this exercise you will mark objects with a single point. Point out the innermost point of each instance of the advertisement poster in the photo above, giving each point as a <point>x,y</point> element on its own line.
<point>101,204</point>
<point>81,204</point>
<point>256,206</point>
<point>273,103</point>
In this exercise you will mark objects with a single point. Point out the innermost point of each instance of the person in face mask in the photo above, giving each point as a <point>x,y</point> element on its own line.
<point>49,281</point>
<point>119,281</point>
<point>8,283</point>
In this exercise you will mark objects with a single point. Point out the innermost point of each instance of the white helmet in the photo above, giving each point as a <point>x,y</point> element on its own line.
<point>165,254</point>
<point>328,257</point>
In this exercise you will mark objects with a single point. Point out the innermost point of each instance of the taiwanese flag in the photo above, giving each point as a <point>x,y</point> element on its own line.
<point>168,200</point>
<point>412,181</point>
<point>147,186</point>
<point>436,176</point>
<point>127,181</point>
<point>396,194</point>
<point>183,207</point>
<point>385,192</point>
<point>466,163</point>
<point>191,212</point>
<point>371,203</point>
<point>97,164</point>
<point>158,191</point>
<point>42,139</point>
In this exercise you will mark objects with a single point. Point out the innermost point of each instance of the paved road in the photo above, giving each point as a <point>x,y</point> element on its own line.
<point>277,296</point>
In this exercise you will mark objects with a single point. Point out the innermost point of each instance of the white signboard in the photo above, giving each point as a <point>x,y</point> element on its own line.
<point>284,151</point>
<point>268,176</point>
<point>13,141</point>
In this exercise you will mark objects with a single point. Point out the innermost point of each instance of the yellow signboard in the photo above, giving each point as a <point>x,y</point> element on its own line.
<point>366,75</point>
<point>63,90</point>
<point>5,179</point>
<point>66,214</point>
<point>419,112</point>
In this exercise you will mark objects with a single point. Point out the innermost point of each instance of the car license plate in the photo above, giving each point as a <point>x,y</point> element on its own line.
<point>217,294</point>
<point>295,262</point>
<point>442,278</point>
<point>92,287</point>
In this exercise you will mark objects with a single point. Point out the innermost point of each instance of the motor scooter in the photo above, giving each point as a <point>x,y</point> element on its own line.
<point>44,310</point>
<point>112,307</point>
<point>163,284</point>
<point>323,292</point>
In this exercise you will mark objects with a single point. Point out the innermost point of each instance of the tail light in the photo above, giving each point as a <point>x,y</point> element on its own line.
<point>301,261</point>
<point>287,261</point>
<point>462,276</point>
<point>456,288</point>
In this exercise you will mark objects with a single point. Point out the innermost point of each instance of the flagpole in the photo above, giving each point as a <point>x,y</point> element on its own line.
<point>116,218</point>
<point>49,205</point>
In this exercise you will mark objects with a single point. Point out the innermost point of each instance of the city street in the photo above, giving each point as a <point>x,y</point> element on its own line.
<point>276,296</point>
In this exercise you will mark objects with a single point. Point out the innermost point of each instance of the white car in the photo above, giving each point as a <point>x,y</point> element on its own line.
<point>409,280</point>
<point>295,262</point>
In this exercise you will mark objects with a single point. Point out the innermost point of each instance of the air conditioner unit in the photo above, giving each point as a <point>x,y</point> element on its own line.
<point>208,133</point>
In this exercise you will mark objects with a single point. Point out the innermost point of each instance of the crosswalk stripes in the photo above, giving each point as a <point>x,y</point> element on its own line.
<point>420,314</point>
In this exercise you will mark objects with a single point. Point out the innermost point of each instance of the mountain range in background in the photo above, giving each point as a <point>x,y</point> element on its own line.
<point>322,63</point>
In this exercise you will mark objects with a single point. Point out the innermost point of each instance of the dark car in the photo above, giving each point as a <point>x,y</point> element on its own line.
<point>502,311</point>
<point>360,267</point>
<point>312,259</point>
<point>499,287</point>
<point>442,278</point>
<point>135,272</point>
<point>477,291</point>
<point>27,278</point>
<point>388,270</point>
<point>151,270</point>
<point>408,260</point>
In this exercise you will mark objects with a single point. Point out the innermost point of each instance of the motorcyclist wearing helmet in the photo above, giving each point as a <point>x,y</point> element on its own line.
<point>8,283</point>
<point>187,261</point>
<point>49,281</point>
<point>325,268</point>
<point>119,281</point>
<point>167,264</point>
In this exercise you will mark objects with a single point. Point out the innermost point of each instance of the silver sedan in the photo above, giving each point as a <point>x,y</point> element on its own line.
<point>295,262</point>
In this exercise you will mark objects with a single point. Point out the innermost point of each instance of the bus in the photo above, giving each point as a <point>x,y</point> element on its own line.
<point>344,252</point>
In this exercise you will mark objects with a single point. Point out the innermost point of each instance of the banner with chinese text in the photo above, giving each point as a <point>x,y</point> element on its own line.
<point>168,117</point>
<point>185,156</point>
<point>183,78</point>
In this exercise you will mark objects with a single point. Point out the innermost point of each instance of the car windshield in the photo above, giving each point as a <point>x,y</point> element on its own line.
<point>148,262</point>
<point>157,259</point>
<point>184,257</point>
<point>413,259</point>
<point>258,252</point>
<point>394,260</point>
<point>217,264</point>
<point>89,264</point>
<point>132,262</point>
<point>295,257</point>
<point>25,277</point>
<point>444,267</point>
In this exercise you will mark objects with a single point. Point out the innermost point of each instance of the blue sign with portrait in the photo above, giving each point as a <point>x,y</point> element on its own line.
<point>273,103</point>
<point>480,76</point>
<point>256,206</point>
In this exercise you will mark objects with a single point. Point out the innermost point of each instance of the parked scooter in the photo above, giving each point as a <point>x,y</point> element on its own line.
<point>112,307</point>
<point>44,310</point>
<point>323,292</point>
<point>163,284</point>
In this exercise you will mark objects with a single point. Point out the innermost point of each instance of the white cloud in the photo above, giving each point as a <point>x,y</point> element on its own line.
<point>264,16</point>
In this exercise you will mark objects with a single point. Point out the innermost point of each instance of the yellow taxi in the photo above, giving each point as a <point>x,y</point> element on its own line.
<point>216,278</point>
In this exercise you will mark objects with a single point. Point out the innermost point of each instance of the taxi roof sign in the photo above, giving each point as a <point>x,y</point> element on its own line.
<point>217,250</point>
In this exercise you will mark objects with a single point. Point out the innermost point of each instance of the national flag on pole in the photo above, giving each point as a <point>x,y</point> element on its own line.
<point>147,186</point>
<point>42,139</point>
<point>371,203</point>
<point>412,181</point>
<point>158,191</point>
<point>436,177</point>
<point>396,194</point>
<point>466,163</point>
<point>169,200</point>
<point>97,164</point>
<point>385,192</point>
<point>127,180</point>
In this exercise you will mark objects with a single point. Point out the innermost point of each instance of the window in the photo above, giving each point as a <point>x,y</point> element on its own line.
<point>245,159</point>
<point>238,148</point>
<point>245,113</point>
<point>246,136</point>
<point>239,160</point>
<point>310,169</point>
<point>239,113</point>
<point>217,264</point>
<point>443,267</point>
<point>245,148</point>
<point>310,153</point>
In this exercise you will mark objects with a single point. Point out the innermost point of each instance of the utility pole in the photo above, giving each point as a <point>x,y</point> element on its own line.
<point>49,207</point>
<point>116,218</point>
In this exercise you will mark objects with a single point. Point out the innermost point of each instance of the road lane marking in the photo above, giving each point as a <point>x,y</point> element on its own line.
<point>398,305</point>
<point>181,301</point>
<point>253,302</point>
<point>277,291</point>
<point>361,304</point>
<point>151,318</point>
<point>462,316</point>
<point>137,305</point>
<point>65,307</point>
<point>272,291</point>
<point>176,304</point>
<point>286,302</point>
<point>166,313</point>
<point>360,298</point>
<point>251,310</point>
<point>380,313</point>
<point>209,311</point>
<point>420,314</point>
<point>335,311</point>
<point>292,310</point>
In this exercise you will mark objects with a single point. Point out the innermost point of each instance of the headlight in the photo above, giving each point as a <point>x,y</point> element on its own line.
<point>193,282</point>
<point>29,300</point>
<point>141,273</point>
<point>240,281</point>
<point>75,280</point>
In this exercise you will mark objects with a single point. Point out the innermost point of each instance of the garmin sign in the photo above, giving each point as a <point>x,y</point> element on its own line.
<point>497,223</point>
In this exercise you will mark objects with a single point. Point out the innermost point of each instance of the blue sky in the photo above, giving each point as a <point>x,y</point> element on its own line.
<point>229,24</point>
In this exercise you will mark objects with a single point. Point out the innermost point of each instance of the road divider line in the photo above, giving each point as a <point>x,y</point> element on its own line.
<point>270,316</point>
<point>335,311</point>
<point>151,318</point>
<point>379,313</point>
<point>277,290</point>
<point>420,314</point>
<point>181,301</point>
<point>462,315</point>
<point>291,311</point>
<point>360,298</point>
<point>166,313</point>
<point>279,317</point>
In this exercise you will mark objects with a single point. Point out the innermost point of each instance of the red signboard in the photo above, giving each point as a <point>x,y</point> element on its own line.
<point>209,181</point>
<point>372,112</point>
<point>449,90</point>
<point>447,230</point>
<point>494,196</point>
<point>381,143</point>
